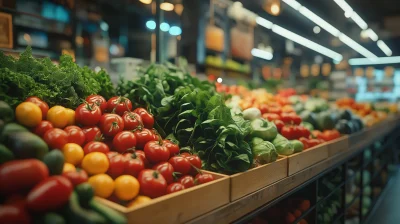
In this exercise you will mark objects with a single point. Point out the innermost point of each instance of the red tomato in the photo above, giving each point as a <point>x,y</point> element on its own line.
<point>186,181</point>
<point>92,133</point>
<point>132,121</point>
<point>94,146</point>
<point>87,114</point>
<point>296,119</point>
<point>304,132</point>
<point>75,135</point>
<point>119,105</point>
<point>142,137</point>
<point>290,118</point>
<point>316,133</point>
<point>305,142</point>
<point>123,141</point>
<point>133,164</point>
<point>275,110</point>
<point>99,101</point>
<point>40,103</point>
<point>142,156</point>
<point>329,135</point>
<point>152,183</point>
<point>117,164</point>
<point>166,170</point>
<point>76,177</point>
<point>10,214</point>
<point>56,188</point>
<point>271,116</point>
<point>42,127</point>
<point>175,187</point>
<point>15,199</point>
<point>288,132</point>
<point>195,161</point>
<point>203,178</point>
<point>147,118</point>
<point>20,175</point>
<point>180,164</point>
<point>279,125</point>
<point>55,138</point>
<point>111,124</point>
<point>156,152</point>
<point>185,154</point>
<point>297,130</point>
<point>263,108</point>
<point>313,142</point>
<point>172,147</point>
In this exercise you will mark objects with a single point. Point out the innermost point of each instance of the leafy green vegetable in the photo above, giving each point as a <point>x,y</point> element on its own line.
<point>264,152</point>
<point>66,84</point>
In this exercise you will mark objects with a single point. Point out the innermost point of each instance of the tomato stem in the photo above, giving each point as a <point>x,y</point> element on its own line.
<point>155,174</point>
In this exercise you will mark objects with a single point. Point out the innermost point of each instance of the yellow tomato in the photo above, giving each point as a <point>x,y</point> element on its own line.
<point>70,116</point>
<point>57,115</point>
<point>139,200</point>
<point>68,167</point>
<point>126,187</point>
<point>102,184</point>
<point>73,153</point>
<point>28,114</point>
<point>95,163</point>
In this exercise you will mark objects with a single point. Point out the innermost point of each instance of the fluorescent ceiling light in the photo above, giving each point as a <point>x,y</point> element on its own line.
<point>320,22</point>
<point>357,47</point>
<point>164,26</point>
<point>294,4</point>
<point>348,14</point>
<point>371,34</point>
<point>343,4</point>
<point>384,48</point>
<point>263,22</point>
<point>360,22</point>
<point>307,43</point>
<point>261,54</point>
<point>151,24</point>
<point>378,61</point>
<point>175,30</point>
<point>316,29</point>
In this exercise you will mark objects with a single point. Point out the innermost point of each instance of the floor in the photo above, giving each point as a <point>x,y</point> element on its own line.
<point>388,211</point>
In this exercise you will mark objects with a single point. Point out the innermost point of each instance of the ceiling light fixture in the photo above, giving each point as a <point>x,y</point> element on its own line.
<point>357,47</point>
<point>145,1</point>
<point>343,4</point>
<point>164,26</point>
<point>384,48</point>
<point>275,9</point>
<point>292,3</point>
<point>151,24</point>
<point>166,6</point>
<point>359,21</point>
<point>316,29</point>
<point>371,34</point>
<point>261,54</point>
<point>377,61</point>
<point>319,21</point>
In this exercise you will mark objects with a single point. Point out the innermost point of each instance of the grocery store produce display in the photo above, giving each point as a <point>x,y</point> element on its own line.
<point>66,133</point>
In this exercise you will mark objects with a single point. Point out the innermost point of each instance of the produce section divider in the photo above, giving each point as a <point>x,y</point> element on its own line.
<point>302,160</point>
<point>267,196</point>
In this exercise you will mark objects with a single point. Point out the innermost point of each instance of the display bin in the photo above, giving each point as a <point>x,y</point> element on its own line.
<point>338,146</point>
<point>358,137</point>
<point>178,207</point>
<point>257,178</point>
<point>306,158</point>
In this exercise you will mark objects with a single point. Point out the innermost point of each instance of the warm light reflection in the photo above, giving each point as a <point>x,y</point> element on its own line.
<point>166,6</point>
<point>145,1</point>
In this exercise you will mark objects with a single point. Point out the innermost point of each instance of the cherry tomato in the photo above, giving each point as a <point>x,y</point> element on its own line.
<point>75,135</point>
<point>275,110</point>
<point>271,116</point>
<point>142,156</point>
<point>95,163</point>
<point>142,137</point>
<point>186,181</point>
<point>126,187</point>
<point>55,138</point>
<point>152,183</point>
<point>44,107</point>
<point>42,127</point>
<point>133,164</point>
<point>28,114</point>
<point>304,132</point>
<point>102,184</point>
<point>70,115</point>
<point>279,125</point>
<point>123,141</point>
<point>73,153</point>
<point>119,105</point>
<point>87,114</point>
<point>92,133</point>
<point>172,147</point>
<point>180,164</point>
<point>296,119</point>
<point>76,177</point>
<point>175,187</point>
<point>263,108</point>
<point>111,124</point>
<point>156,152</point>
<point>297,130</point>
<point>117,164</point>
<point>329,135</point>
<point>99,101</point>
<point>131,121</point>
<point>147,118</point>
<point>288,132</point>
<point>95,146</point>
<point>185,154</point>
<point>166,170</point>
<point>316,133</point>
<point>58,116</point>
<point>313,142</point>
<point>202,178</point>
<point>305,142</point>
<point>195,161</point>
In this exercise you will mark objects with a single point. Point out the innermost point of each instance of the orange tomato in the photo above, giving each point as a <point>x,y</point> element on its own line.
<point>139,200</point>
<point>102,184</point>
<point>57,115</point>
<point>126,187</point>
<point>73,153</point>
<point>95,163</point>
<point>68,167</point>
<point>70,116</point>
<point>28,114</point>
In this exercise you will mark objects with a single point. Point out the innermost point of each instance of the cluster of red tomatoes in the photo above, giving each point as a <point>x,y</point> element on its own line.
<point>109,140</point>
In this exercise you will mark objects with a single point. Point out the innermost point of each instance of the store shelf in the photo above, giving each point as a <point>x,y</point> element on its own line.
<point>249,206</point>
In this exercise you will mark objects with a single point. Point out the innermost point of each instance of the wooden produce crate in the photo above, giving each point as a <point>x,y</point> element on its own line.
<point>306,158</point>
<point>358,137</point>
<point>257,178</point>
<point>178,207</point>
<point>338,145</point>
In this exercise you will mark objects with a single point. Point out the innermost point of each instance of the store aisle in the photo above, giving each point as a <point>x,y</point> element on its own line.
<point>388,210</point>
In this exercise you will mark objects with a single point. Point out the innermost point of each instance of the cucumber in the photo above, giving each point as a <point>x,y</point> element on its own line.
<point>6,112</point>
<point>5,154</point>
<point>11,128</point>
<point>74,213</point>
<point>112,216</point>
<point>53,218</point>
<point>54,161</point>
<point>85,193</point>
